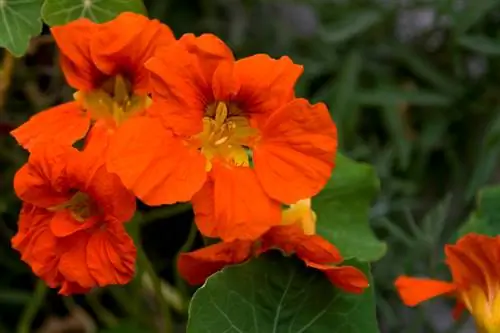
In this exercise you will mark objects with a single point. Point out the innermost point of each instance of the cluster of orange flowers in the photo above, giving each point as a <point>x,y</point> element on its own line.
<point>174,120</point>
<point>167,121</point>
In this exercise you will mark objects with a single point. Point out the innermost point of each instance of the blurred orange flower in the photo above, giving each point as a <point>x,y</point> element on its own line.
<point>295,235</point>
<point>236,122</point>
<point>71,225</point>
<point>473,262</point>
<point>105,63</point>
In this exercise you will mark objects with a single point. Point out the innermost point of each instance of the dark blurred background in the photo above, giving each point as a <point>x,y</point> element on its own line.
<point>413,87</point>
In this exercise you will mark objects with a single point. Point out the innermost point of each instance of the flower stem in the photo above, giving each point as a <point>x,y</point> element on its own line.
<point>31,309</point>
<point>162,304</point>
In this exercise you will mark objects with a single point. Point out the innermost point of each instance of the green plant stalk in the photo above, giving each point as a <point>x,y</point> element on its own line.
<point>162,304</point>
<point>102,314</point>
<point>31,309</point>
<point>179,281</point>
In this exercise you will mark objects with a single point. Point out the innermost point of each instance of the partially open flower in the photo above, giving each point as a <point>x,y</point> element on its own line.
<point>71,229</point>
<point>473,262</point>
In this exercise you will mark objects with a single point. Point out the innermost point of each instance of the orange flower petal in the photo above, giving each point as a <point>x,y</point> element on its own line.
<point>225,84</point>
<point>414,291</point>
<point>316,249</point>
<point>97,141</point>
<point>241,208</point>
<point>71,288</point>
<point>73,39</point>
<point>295,157</point>
<point>157,167</point>
<point>180,92</point>
<point>210,51</point>
<point>111,255</point>
<point>473,260</point>
<point>197,266</point>
<point>66,124</point>
<point>73,260</point>
<point>64,224</point>
<point>284,237</point>
<point>348,278</point>
<point>126,43</point>
<point>41,181</point>
<point>266,83</point>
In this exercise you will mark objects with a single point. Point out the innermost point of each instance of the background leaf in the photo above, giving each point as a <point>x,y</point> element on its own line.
<point>342,209</point>
<point>274,294</point>
<point>486,219</point>
<point>352,24</point>
<point>19,21</point>
<point>57,12</point>
<point>481,44</point>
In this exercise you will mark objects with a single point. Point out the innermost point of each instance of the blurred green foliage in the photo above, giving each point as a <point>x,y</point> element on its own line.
<point>412,84</point>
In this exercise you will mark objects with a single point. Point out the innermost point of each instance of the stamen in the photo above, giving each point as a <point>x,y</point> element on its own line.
<point>226,134</point>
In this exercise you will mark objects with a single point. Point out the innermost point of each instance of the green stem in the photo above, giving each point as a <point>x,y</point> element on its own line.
<point>179,281</point>
<point>102,314</point>
<point>32,308</point>
<point>165,212</point>
<point>162,304</point>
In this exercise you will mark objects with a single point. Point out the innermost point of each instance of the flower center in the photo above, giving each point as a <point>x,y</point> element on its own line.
<point>114,101</point>
<point>80,206</point>
<point>302,215</point>
<point>484,307</point>
<point>226,134</point>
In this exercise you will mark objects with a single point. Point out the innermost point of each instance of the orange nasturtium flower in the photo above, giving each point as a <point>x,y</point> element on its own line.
<point>474,264</point>
<point>295,235</point>
<point>71,229</point>
<point>105,63</point>
<point>237,123</point>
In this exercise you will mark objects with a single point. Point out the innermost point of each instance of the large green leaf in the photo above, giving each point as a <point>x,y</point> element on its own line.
<point>19,21</point>
<point>57,12</point>
<point>343,207</point>
<point>276,294</point>
<point>486,218</point>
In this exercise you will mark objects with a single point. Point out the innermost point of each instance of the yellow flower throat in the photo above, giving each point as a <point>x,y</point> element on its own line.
<point>226,134</point>
<point>484,306</point>
<point>114,101</point>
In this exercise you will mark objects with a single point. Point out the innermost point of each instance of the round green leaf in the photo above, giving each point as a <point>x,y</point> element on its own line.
<point>276,294</point>
<point>57,12</point>
<point>19,21</point>
<point>342,208</point>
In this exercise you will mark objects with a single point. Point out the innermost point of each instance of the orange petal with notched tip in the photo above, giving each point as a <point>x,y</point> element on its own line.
<point>294,158</point>
<point>111,255</point>
<point>197,266</point>
<point>153,164</point>
<point>348,278</point>
<point>241,209</point>
<point>124,44</point>
<point>266,83</point>
<point>73,40</point>
<point>210,51</point>
<point>414,291</point>
<point>66,124</point>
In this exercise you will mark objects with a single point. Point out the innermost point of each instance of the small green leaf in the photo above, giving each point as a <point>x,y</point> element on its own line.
<point>481,44</point>
<point>58,12</point>
<point>276,294</point>
<point>486,218</point>
<point>19,21</point>
<point>342,209</point>
<point>351,25</point>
